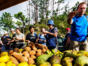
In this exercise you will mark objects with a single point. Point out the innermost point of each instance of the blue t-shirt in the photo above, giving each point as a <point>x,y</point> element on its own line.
<point>79,28</point>
<point>42,38</point>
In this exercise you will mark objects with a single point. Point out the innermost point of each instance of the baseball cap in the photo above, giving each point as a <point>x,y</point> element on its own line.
<point>68,29</point>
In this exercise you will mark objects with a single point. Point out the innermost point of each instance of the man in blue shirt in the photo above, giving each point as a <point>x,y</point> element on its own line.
<point>78,22</point>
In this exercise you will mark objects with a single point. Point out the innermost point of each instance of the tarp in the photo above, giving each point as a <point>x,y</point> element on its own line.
<point>8,3</point>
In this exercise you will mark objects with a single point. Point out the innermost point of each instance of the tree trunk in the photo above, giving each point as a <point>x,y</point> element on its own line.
<point>42,11</point>
<point>47,5</point>
<point>58,8</point>
<point>52,9</point>
<point>23,29</point>
<point>29,12</point>
<point>36,14</point>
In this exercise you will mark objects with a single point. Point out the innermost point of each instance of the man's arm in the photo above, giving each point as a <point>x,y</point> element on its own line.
<point>68,41</point>
<point>53,34</point>
<point>69,21</point>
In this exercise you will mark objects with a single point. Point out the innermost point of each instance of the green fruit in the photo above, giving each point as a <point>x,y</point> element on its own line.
<point>54,59</point>
<point>43,63</point>
<point>67,54</point>
<point>43,57</point>
<point>67,61</point>
<point>81,61</point>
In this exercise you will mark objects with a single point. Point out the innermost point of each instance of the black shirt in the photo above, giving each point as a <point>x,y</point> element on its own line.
<point>65,40</point>
<point>14,35</point>
<point>5,39</point>
<point>31,38</point>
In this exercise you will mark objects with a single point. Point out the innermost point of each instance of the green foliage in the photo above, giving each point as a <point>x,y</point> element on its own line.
<point>43,10</point>
<point>6,21</point>
<point>75,7</point>
<point>86,11</point>
<point>18,23</point>
<point>22,18</point>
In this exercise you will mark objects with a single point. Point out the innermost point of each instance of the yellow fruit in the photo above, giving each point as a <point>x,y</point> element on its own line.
<point>32,65</point>
<point>4,58</point>
<point>56,65</point>
<point>9,63</point>
<point>2,64</point>
<point>20,50</point>
<point>23,64</point>
<point>13,64</point>
<point>43,65</point>
<point>4,53</point>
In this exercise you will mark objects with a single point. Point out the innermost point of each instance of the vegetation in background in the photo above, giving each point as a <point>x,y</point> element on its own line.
<point>42,12</point>
<point>6,22</point>
<point>22,18</point>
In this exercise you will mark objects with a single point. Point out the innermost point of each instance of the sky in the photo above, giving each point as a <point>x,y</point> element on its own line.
<point>22,7</point>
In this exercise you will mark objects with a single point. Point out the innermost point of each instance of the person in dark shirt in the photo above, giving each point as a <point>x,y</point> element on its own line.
<point>13,39</point>
<point>67,39</point>
<point>6,39</point>
<point>32,36</point>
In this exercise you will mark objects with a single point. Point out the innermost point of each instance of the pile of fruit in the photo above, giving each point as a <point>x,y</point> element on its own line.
<point>38,55</point>
<point>23,57</point>
<point>67,58</point>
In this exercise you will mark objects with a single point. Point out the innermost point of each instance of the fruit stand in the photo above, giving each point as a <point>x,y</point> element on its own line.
<point>36,54</point>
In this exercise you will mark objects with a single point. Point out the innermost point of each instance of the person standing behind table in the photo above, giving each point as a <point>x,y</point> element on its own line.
<point>20,38</point>
<point>51,36</point>
<point>6,41</point>
<point>67,39</point>
<point>13,38</point>
<point>32,36</point>
<point>78,22</point>
<point>2,48</point>
<point>41,38</point>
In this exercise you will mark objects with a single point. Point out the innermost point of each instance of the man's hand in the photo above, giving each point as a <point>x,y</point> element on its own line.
<point>44,31</point>
<point>72,14</point>
<point>44,40</point>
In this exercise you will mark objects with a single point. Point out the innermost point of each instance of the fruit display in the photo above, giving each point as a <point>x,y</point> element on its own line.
<point>23,57</point>
<point>36,54</point>
<point>66,58</point>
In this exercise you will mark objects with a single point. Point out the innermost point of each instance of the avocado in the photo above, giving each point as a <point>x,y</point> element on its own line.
<point>67,61</point>
<point>67,54</point>
<point>60,55</point>
<point>81,61</point>
<point>43,62</point>
<point>54,59</point>
<point>43,57</point>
